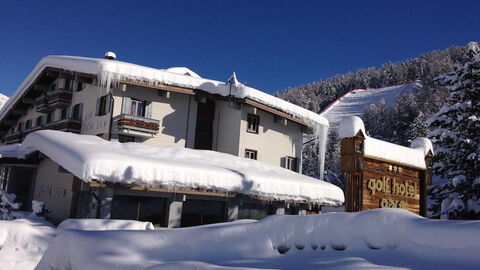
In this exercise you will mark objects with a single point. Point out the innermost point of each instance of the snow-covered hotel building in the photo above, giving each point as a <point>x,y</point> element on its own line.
<point>103,176</point>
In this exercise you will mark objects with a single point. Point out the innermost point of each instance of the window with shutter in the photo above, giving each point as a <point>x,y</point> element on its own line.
<point>126,105</point>
<point>103,105</point>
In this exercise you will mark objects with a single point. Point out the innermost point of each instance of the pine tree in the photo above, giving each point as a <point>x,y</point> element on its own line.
<point>455,130</point>
<point>332,160</point>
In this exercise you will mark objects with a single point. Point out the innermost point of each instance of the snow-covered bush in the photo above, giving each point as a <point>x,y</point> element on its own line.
<point>8,204</point>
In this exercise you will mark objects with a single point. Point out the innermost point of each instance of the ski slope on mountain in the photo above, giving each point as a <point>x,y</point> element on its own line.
<point>354,101</point>
<point>3,100</point>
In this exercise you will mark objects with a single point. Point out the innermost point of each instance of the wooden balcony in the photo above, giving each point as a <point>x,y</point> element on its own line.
<point>59,98</point>
<point>136,125</point>
<point>14,138</point>
<point>41,104</point>
<point>68,125</point>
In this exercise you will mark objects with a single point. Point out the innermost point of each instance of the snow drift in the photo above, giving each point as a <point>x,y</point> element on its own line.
<point>369,239</point>
<point>104,225</point>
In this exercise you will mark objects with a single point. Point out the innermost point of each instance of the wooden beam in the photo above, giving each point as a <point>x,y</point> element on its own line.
<point>84,79</point>
<point>19,112</point>
<point>66,75</point>
<point>274,111</point>
<point>161,87</point>
<point>9,122</point>
<point>53,74</point>
<point>40,87</point>
<point>30,101</point>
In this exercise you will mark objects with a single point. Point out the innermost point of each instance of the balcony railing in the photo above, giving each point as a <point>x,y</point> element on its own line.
<point>59,98</point>
<point>41,104</point>
<point>14,138</point>
<point>136,125</point>
<point>68,125</point>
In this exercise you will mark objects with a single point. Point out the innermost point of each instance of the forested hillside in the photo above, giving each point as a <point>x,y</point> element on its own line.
<point>400,123</point>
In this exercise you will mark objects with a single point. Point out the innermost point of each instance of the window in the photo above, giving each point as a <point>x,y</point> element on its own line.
<point>252,211</point>
<point>252,123</point>
<point>49,118</point>
<point>67,84</point>
<point>53,86</point>
<point>251,154</point>
<point>20,126</point>
<point>125,139</point>
<point>200,212</point>
<point>291,163</point>
<point>64,114</point>
<point>28,124</point>
<point>103,105</point>
<point>80,86</point>
<point>151,209</point>
<point>138,108</point>
<point>77,111</point>
<point>39,121</point>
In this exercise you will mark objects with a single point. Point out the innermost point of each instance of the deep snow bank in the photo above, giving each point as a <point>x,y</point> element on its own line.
<point>367,239</point>
<point>23,242</point>
<point>104,225</point>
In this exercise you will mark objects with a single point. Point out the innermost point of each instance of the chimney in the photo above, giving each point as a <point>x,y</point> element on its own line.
<point>110,56</point>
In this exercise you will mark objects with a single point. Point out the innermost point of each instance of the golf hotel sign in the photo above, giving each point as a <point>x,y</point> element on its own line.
<point>382,181</point>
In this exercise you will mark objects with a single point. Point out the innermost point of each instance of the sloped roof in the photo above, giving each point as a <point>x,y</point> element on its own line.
<point>111,71</point>
<point>91,158</point>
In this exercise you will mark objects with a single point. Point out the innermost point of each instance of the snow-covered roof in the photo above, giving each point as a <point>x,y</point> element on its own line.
<point>183,71</point>
<point>9,150</point>
<point>92,158</point>
<point>412,156</point>
<point>111,71</point>
<point>354,101</point>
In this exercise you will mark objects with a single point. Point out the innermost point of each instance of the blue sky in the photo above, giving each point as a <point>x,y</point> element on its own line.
<point>270,44</point>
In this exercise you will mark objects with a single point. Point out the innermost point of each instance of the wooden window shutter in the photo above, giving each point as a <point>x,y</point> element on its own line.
<point>126,105</point>
<point>97,110</point>
<point>148,109</point>
<point>80,111</point>
<point>108,103</point>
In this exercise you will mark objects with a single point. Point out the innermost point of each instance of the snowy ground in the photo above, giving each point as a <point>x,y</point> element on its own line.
<point>375,239</point>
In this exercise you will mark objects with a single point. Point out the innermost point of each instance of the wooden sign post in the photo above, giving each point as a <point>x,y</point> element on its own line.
<point>375,183</point>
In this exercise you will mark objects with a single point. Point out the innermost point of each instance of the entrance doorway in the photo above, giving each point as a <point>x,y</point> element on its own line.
<point>204,126</point>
